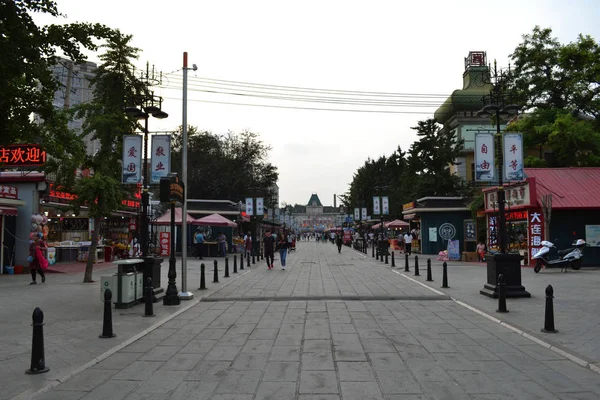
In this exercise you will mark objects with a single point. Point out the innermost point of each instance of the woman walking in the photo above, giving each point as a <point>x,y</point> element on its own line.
<point>282,245</point>
<point>37,262</point>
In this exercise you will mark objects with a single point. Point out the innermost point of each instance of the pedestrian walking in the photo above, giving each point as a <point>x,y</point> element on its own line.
<point>408,243</point>
<point>199,244</point>
<point>37,261</point>
<point>283,246</point>
<point>222,244</point>
<point>248,244</point>
<point>269,248</point>
<point>481,252</point>
<point>339,242</point>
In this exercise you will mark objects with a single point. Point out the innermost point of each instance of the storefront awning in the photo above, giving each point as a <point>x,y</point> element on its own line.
<point>410,216</point>
<point>6,210</point>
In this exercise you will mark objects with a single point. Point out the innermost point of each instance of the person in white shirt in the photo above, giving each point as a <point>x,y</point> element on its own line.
<point>408,243</point>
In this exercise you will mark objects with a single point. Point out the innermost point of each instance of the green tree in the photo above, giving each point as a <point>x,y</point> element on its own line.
<point>27,85</point>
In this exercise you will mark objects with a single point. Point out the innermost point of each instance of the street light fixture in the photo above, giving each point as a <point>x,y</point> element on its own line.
<point>500,104</point>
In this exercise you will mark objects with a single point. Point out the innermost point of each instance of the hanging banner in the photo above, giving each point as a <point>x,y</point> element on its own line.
<point>260,206</point>
<point>132,159</point>
<point>376,209</point>
<point>249,206</point>
<point>513,156</point>
<point>161,157</point>
<point>357,214</point>
<point>165,243</point>
<point>484,157</point>
<point>364,214</point>
<point>385,205</point>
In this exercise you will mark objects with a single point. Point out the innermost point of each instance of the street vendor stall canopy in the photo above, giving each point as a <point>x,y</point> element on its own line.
<point>397,223</point>
<point>165,219</point>
<point>214,220</point>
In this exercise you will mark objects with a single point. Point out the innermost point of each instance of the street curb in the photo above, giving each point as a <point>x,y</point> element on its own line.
<point>557,350</point>
<point>26,395</point>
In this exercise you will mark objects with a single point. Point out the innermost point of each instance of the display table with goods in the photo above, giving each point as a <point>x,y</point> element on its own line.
<point>211,248</point>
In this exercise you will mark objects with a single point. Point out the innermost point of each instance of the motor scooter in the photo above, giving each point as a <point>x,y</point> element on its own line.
<point>568,258</point>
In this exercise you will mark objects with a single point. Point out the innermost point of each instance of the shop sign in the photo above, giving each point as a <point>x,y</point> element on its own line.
<point>470,232</point>
<point>260,206</point>
<point>376,208</point>
<point>22,155</point>
<point>9,192</point>
<point>433,234</point>
<point>516,216</point>
<point>408,206</point>
<point>492,232</point>
<point>536,231</point>
<point>385,205</point>
<point>250,207</point>
<point>513,156</point>
<point>447,231</point>
<point>165,243</point>
<point>172,190</point>
<point>592,235</point>
<point>514,196</point>
<point>132,159</point>
<point>60,196</point>
<point>484,157</point>
<point>161,157</point>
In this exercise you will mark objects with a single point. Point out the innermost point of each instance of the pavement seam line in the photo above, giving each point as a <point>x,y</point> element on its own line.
<point>422,284</point>
<point>121,346</point>
<point>534,339</point>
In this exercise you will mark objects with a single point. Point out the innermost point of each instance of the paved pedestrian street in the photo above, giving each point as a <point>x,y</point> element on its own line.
<point>331,326</point>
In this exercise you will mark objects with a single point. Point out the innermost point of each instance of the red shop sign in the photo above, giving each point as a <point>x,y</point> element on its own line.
<point>165,243</point>
<point>9,192</point>
<point>22,155</point>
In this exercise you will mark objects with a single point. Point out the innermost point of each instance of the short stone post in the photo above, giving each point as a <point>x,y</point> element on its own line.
<point>417,266</point>
<point>107,328</point>
<point>216,273</point>
<point>226,267</point>
<point>445,275</point>
<point>38,359</point>
<point>501,295</point>
<point>429,277</point>
<point>549,316</point>
<point>149,305</point>
<point>202,278</point>
<point>406,268</point>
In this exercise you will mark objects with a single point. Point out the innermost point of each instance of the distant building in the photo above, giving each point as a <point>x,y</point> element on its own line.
<point>315,217</point>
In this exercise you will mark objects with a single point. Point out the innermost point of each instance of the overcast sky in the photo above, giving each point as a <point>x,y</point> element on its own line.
<point>401,47</point>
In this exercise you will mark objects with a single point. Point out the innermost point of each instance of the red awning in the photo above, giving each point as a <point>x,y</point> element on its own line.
<point>570,187</point>
<point>7,210</point>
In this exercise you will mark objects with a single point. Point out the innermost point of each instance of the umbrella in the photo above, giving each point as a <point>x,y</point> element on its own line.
<point>397,223</point>
<point>215,220</point>
<point>165,219</point>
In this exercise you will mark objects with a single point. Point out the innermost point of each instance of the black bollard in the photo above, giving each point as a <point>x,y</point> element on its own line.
<point>373,250</point>
<point>445,275</point>
<point>148,295</point>
<point>38,360</point>
<point>202,279</point>
<point>248,260</point>
<point>501,295</point>
<point>406,268</point>
<point>261,255</point>
<point>549,317</point>
<point>253,259</point>
<point>417,266</point>
<point>241,261</point>
<point>216,274</point>
<point>226,267</point>
<point>429,278</point>
<point>234,264</point>
<point>393,262</point>
<point>386,257</point>
<point>107,328</point>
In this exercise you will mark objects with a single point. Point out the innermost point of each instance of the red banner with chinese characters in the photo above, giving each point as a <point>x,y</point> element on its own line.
<point>22,155</point>
<point>165,243</point>
<point>536,231</point>
<point>9,192</point>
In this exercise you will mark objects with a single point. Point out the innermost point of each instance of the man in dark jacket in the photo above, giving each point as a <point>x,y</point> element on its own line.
<point>339,242</point>
<point>269,249</point>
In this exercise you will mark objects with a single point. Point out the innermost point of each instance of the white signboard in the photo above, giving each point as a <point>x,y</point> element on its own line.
<point>592,235</point>
<point>132,159</point>
<point>433,234</point>
<point>513,156</point>
<point>249,206</point>
<point>357,214</point>
<point>260,206</point>
<point>484,157</point>
<point>376,208</point>
<point>161,157</point>
<point>385,205</point>
<point>364,213</point>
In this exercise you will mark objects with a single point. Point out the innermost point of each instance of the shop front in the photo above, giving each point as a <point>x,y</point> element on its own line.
<point>9,210</point>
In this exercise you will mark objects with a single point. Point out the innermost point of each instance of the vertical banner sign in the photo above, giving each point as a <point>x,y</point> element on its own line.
<point>536,231</point>
<point>357,214</point>
<point>484,157</point>
<point>132,159</point>
<point>161,157</point>
<point>165,243</point>
<point>259,206</point>
<point>513,156</point>
<point>385,205</point>
<point>364,214</point>
<point>249,206</point>
<point>376,209</point>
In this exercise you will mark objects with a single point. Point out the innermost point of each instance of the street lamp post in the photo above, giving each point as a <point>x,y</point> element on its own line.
<point>500,104</point>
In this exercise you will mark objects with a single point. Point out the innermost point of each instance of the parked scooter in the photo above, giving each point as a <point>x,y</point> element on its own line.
<point>568,258</point>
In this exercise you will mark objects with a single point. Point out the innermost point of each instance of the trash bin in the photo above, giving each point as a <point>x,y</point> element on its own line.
<point>9,270</point>
<point>127,283</point>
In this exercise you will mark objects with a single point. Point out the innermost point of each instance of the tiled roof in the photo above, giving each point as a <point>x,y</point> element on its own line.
<point>570,187</point>
<point>314,199</point>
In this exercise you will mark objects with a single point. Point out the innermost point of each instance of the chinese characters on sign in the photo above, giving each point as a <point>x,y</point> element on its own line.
<point>385,205</point>
<point>357,214</point>
<point>376,208</point>
<point>536,232</point>
<point>132,159</point>
<point>484,157</point>
<point>161,157</point>
<point>22,155</point>
<point>364,214</point>
<point>260,206</point>
<point>249,206</point>
<point>515,196</point>
<point>165,243</point>
<point>8,192</point>
<point>513,156</point>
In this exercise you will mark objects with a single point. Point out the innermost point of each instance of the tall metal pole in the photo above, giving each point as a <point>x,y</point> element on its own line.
<point>184,295</point>
<point>503,236</point>
<point>145,196</point>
